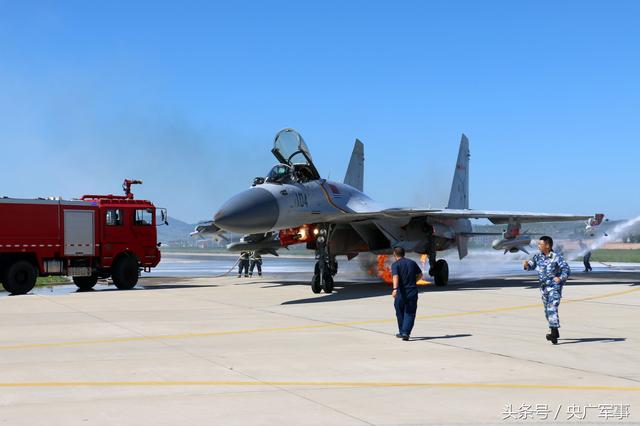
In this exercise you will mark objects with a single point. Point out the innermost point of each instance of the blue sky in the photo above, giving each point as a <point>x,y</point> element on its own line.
<point>188,96</point>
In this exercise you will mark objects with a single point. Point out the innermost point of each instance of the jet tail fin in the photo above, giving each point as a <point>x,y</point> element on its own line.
<point>355,172</point>
<point>459,198</point>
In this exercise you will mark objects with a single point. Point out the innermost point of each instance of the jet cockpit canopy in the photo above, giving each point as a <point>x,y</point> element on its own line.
<point>290,149</point>
<point>280,173</point>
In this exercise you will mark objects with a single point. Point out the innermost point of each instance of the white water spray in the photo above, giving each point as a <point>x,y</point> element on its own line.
<point>621,230</point>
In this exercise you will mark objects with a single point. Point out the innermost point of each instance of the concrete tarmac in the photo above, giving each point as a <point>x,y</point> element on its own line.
<point>267,351</point>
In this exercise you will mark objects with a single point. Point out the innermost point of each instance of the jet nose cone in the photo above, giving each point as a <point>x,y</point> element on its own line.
<point>250,212</point>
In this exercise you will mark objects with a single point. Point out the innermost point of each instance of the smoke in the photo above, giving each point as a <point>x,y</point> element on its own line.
<point>368,263</point>
<point>71,145</point>
<point>479,264</point>
<point>483,263</point>
<point>435,187</point>
<point>76,132</point>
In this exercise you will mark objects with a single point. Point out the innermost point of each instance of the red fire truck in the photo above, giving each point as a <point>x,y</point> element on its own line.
<point>97,236</point>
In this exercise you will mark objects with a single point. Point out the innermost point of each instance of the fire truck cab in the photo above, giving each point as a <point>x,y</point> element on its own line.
<point>97,236</point>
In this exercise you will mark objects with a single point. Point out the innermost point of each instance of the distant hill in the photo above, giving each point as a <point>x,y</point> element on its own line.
<point>177,234</point>
<point>177,230</point>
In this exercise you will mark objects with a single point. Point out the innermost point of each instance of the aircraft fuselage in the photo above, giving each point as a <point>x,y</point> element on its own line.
<point>271,207</point>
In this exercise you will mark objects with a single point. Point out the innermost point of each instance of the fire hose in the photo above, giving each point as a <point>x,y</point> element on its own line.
<point>230,269</point>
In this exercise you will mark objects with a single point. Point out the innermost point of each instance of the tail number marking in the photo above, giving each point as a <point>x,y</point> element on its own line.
<point>301,200</point>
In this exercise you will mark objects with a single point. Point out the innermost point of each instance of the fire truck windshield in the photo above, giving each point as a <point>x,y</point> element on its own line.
<point>144,217</point>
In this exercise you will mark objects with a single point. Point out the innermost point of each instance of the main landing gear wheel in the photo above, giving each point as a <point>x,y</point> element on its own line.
<point>441,273</point>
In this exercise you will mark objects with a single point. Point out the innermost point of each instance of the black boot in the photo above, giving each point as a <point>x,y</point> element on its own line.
<point>554,335</point>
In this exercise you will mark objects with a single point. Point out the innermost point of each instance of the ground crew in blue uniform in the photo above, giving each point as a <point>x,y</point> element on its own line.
<point>406,273</point>
<point>256,261</point>
<point>553,272</point>
<point>243,263</point>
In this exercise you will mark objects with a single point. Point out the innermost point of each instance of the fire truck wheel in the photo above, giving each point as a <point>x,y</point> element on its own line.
<point>125,273</point>
<point>20,277</point>
<point>85,283</point>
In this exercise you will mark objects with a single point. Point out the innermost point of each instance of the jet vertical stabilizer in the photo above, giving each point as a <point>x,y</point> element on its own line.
<point>459,198</point>
<point>355,173</point>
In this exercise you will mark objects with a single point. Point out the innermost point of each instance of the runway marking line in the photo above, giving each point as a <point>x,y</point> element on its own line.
<point>294,328</point>
<point>318,384</point>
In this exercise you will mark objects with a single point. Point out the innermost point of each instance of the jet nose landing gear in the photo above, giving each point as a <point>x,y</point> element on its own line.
<point>322,280</point>
<point>325,267</point>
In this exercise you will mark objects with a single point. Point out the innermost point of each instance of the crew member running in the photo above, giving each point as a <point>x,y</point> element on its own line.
<point>553,272</point>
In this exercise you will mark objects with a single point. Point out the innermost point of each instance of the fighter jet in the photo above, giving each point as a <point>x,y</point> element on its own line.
<point>293,204</point>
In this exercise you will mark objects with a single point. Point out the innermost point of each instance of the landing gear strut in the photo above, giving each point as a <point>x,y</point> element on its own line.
<point>326,265</point>
<point>438,269</point>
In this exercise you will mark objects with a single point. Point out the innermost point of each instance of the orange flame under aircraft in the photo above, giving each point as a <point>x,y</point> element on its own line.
<point>382,269</point>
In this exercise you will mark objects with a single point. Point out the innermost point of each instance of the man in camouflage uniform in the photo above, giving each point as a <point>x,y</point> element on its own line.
<point>553,272</point>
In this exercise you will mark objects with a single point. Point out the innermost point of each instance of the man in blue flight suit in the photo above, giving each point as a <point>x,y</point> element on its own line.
<point>406,273</point>
<point>553,272</point>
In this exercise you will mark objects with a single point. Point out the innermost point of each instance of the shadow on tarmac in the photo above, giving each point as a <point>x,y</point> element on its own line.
<point>343,291</point>
<point>448,336</point>
<point>355,288</point>
<point>145,288</point>
<point>351,290</point>
<point>172,286</point>
<point>591,340</point>
<point>101,287</point>
<point>531,281</point>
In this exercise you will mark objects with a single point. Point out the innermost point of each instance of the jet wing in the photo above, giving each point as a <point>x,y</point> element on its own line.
<point>502,217</point>
<point>496,217</point>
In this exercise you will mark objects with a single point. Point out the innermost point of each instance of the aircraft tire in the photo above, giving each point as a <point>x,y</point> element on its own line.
<point>327,284</point>
<point>85,283</point>
<point>315,284</point>
<point>20,277</point>
<point>441,273</point>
